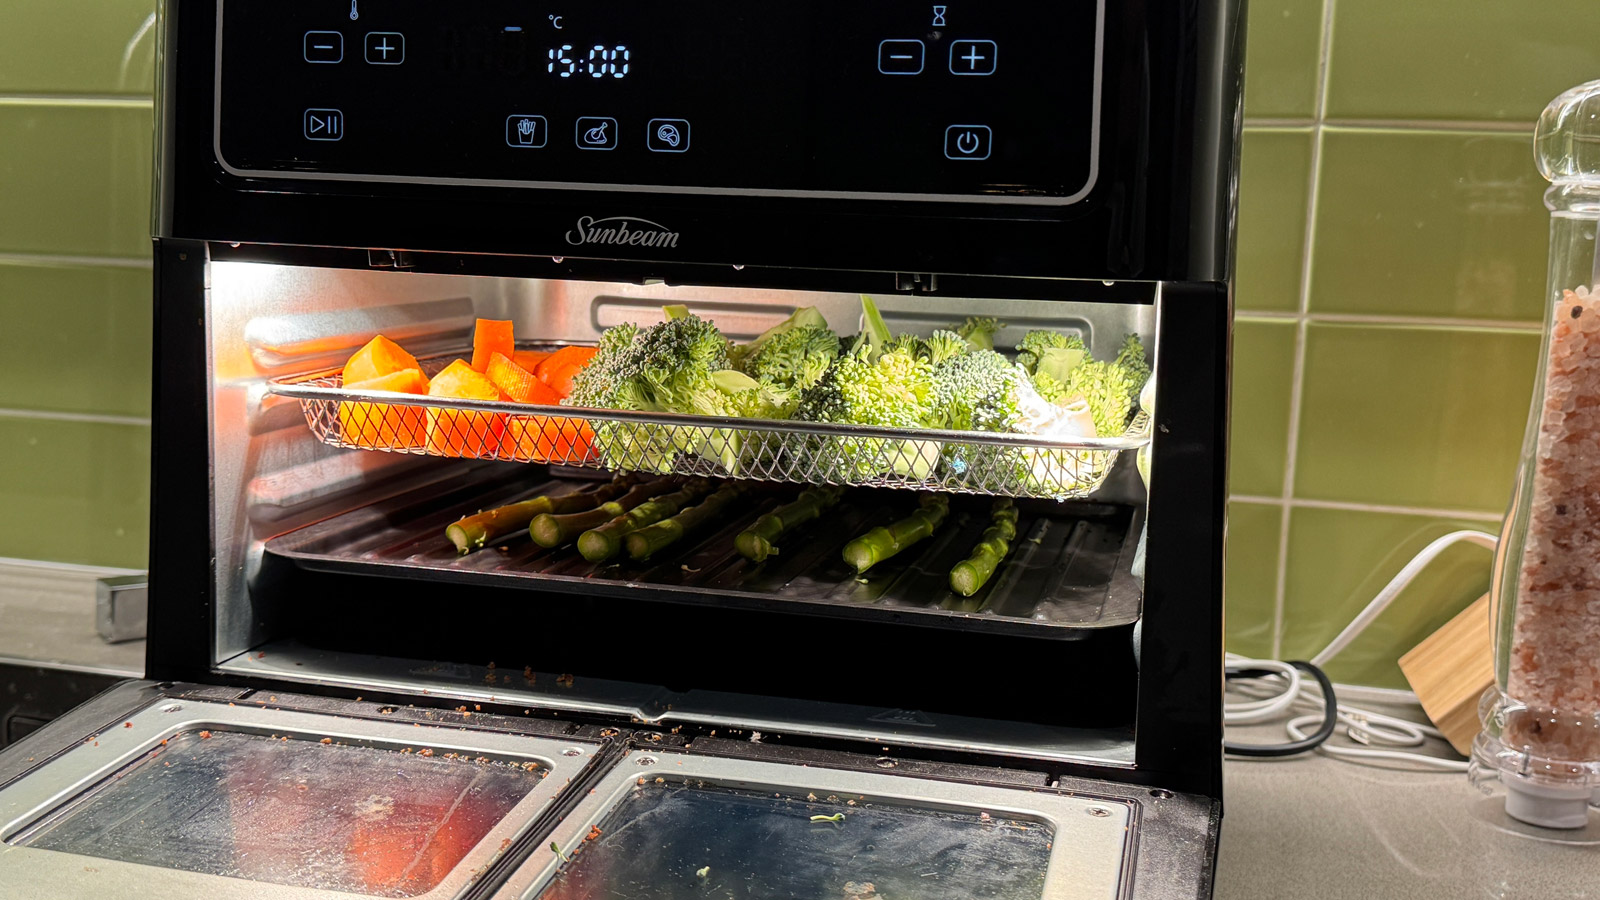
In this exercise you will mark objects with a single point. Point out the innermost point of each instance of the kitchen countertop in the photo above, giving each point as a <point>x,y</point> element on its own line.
<point>1317,828</point>
<point>47,619</point>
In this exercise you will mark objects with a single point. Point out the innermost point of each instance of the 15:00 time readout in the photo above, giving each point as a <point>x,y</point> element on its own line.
<point>598,61</point>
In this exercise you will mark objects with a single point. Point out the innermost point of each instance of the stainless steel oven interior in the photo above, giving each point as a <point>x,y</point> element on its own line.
<point>307,534</point>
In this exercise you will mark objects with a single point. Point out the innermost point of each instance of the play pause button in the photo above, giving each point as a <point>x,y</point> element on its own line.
<point>324,124</point>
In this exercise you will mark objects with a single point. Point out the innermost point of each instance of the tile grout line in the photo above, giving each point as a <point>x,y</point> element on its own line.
<point>1448,125</point>
<point>138,101</point>
<point>1298,374</point>
<point>1291,449</point>
<point>1391,321</point>
<point>46,259</point>
<point>1379,508</point>
<point>1491,126</point>
<point>62,416</point>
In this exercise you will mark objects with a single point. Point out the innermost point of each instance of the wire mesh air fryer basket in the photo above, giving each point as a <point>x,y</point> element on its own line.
<point>1008,465</point>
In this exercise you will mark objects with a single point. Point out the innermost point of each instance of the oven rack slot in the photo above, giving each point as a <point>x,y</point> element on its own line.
<point>1068,572</point>
<point>990,464</point>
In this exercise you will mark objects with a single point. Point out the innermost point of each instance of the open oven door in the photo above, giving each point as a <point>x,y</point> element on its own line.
<point>167,791</point>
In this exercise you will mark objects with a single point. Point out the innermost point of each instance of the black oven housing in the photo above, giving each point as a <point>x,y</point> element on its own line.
<point>1158,219</point>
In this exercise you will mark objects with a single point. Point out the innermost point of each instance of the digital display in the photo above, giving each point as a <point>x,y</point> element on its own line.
<point>990,101</point>
<point>601,61</point>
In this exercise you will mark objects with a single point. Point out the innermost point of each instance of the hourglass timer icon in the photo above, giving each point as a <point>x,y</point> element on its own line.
<point>526,132</point>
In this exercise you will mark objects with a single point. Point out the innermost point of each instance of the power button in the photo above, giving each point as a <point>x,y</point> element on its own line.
<point>967,142</point>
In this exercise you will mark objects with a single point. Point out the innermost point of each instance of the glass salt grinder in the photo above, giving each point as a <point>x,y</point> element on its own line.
<point>1541,720</point>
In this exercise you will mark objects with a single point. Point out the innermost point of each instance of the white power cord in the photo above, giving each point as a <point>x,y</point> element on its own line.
<point>1397,584</point>
<point>1380,735</point>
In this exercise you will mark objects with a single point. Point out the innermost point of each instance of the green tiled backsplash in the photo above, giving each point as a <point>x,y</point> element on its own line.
<point>1380,384</point>
<point>1392,240</point>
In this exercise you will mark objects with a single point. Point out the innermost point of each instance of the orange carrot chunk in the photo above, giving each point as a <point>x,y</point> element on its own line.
<point>561,379</point>
<point>385,426</point>
<point>491,336</point>
<point>549,439</point>
<point>518,383</point>
<point>530,359</point>
<point>461,433</point>
<point>565,358</point>
<point>378,358</point>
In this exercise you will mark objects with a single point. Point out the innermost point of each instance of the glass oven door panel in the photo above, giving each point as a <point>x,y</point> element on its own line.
<point>220,797</point>
<point>671,826</point>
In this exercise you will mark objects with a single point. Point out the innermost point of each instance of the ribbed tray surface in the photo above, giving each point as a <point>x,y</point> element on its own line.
<point>1068,567</point>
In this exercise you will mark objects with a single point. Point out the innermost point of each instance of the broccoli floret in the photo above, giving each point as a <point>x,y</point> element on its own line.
<point>943,345</point>
<point>732,394</point>
<point>665,368</point>
<point>793,360</point>
<point>1131,357</point>
<point>905,343</point>
<point>895,390</point>
<point>596,384</point>
<point>1051,389</point>
<point>978,392</point>
<point>979,331</point>
<point>804,317</point>
<point>1105,386</point>
<point>1110,388</point>
<point>934,349</point>
<point>1034,343</point>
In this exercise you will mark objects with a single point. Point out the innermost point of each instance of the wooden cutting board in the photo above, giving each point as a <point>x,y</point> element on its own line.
<point>1450,670</point>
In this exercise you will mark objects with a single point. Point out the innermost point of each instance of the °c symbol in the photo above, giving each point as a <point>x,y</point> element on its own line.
<point>556,21</point>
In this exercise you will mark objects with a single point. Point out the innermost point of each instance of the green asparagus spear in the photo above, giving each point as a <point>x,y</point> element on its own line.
<point>971,573</point>
<point>602,543</point>
<point>756,543</point>
<point>881,543</point>
<point>651,539</point>
<point>554,530</point>
<point>475,531</point>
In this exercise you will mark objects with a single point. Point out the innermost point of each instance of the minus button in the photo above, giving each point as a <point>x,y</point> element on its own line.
<point>901,56</point>
<point>324,47</point>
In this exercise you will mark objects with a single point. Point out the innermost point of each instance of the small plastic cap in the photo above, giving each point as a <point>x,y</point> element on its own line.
<point>1547,805</point>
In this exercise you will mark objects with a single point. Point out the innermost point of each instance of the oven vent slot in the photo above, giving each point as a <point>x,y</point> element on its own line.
<point>329,336</point>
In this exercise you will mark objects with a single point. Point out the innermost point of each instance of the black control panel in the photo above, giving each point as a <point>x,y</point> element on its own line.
<point>989,101</point>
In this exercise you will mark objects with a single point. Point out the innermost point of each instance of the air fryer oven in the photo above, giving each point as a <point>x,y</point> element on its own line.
<point>339,705</point>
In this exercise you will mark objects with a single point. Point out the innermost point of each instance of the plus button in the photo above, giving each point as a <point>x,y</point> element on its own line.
<point>972,57</point>
<point>386,48</point>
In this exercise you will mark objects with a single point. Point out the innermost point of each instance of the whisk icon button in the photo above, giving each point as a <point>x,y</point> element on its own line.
<point>669,135</point>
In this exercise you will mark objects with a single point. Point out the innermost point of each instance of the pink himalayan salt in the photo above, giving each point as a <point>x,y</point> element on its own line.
<point>1555,645</point>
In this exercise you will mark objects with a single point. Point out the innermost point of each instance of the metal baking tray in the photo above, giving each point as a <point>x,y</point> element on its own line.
<point>1004,465</point>
<point>1067,571</point>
